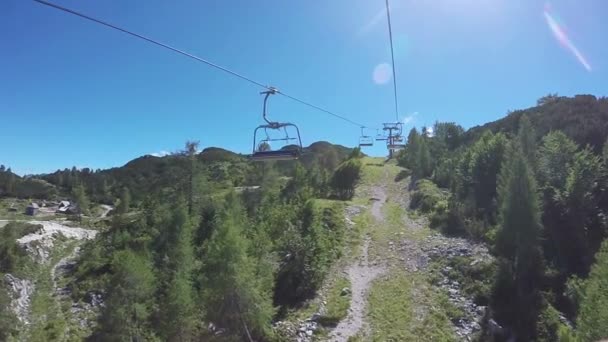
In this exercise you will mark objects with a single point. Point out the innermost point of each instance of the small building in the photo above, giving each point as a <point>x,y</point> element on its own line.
<point>32,209</point>
<point>63,207</point>
<point>72,209</point>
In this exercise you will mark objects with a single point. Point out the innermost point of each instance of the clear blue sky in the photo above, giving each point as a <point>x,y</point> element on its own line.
<point>76,93</point>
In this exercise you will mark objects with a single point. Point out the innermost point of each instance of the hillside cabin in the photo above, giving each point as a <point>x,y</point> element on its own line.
<point>32,209</point>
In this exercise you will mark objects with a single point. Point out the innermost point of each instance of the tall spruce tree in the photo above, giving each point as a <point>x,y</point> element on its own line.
<point>527,140</point>
<point>128,306</point>
<point>80,197</point>
<point>176,293</point>
<point>516,299</point>
<point>234,295</point>
<point>593,313</point>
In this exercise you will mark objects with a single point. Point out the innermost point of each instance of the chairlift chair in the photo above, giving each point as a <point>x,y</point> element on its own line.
<point>261,151</point>
<point>365,140</point>
<point>380,136</point>
<point>395,147</point>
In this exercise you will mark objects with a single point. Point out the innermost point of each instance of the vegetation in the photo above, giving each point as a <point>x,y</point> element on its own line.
<point>533,187</point>
<point>209,246</point>
<point>427,196</point>
<point>338,302</point>
<point>198,249</point>
<point>405,308</point>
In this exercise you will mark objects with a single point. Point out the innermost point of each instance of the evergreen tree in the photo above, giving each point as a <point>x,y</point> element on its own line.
<point>10,183</point>
<point>424,163</point>
<point>555,157</point>
<point>479,171</point>
<point>125,201</point>
<point>345,179</point>
<point>593,313</point>
<point>80,197</point>
<point>127,310</point>
<point>516,296</point>
<point>235,297</point>
<point>410,156</point>
<point>177,310</point>
<point>190,151</point>
<point>527,140</point>
<point>583,229</point>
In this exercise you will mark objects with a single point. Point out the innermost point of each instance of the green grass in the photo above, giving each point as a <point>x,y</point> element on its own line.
<point>337,305</point>
<point>404,307</point>
<point>373,170</point>
<point>427,196</point>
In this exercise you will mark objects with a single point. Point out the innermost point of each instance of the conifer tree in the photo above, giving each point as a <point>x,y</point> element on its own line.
<point>127,310</point>
<point>80,197</point>
<point>125,201</point>
<point>516,295</point>
<point>593,313</point>
<point>177,310</point>
<point>527,140</point>
<point>234,295</point>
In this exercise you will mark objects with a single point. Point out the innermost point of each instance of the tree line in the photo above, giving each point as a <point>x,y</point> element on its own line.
<point>194,262</point>
<point>540,203</point>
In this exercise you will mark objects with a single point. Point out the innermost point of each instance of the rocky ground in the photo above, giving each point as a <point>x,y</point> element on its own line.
<point>41,245</point>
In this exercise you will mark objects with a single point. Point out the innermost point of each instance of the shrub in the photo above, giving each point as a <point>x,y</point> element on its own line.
<point>346,178</point>
<point>426,196</point>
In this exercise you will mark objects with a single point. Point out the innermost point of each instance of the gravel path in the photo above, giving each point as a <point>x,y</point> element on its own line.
<point>40,244</point>
<point>361,274</point>
<point>106,209</point>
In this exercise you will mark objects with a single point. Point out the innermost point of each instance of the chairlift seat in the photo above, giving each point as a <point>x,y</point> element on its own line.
<point>395,146</point>
<point>275,155</point>
<point>365,141</point>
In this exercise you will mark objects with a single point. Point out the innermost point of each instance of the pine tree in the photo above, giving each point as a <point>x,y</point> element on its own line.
<point>411,150</point>
<point>80,197</point>
<point>424,161</point>
<point>125,201</point>
<point>10,183</point>
<point>555,156</point>
<point>127,310</point>
<point>516,295</point>
<point>527,140</point>
<point>235,297</point>
<point>177,307</point>
<point>190,151</point>
<point>593,313</point>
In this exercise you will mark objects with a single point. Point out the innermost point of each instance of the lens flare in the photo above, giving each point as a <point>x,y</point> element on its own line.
<point>382,73</point>
<point>563,39</point>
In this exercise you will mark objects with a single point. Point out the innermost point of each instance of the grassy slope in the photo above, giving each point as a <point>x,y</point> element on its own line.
<point>402,305</point>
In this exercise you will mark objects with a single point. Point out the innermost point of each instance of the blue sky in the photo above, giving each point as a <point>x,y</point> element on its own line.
<point>76,93</point>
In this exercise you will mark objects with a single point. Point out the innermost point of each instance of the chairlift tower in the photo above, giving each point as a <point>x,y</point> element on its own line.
<point>394,139</point>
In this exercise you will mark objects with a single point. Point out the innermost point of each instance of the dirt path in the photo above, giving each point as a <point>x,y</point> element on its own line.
<point>40,245</point>
<point>106,209</point>
<point>361,274</point>
<point>61,266</point>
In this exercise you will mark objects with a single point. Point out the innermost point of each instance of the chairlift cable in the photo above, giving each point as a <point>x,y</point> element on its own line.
<point>390,36</point>
<point>199,59</point>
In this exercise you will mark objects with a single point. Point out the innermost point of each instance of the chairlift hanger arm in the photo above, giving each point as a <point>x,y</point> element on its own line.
<point>270,91</point>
